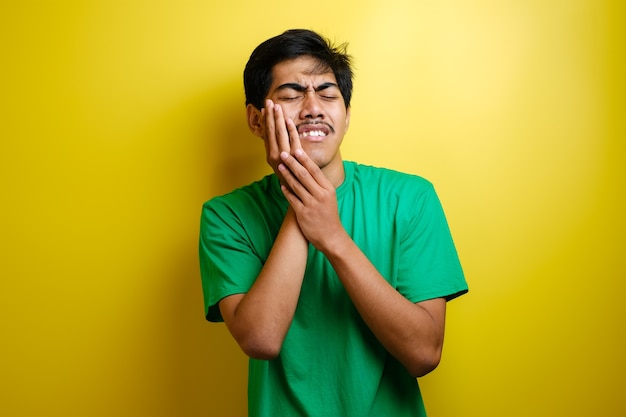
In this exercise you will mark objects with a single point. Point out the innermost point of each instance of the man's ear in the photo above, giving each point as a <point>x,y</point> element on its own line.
<point>255,120</point>
<point>347,118</point>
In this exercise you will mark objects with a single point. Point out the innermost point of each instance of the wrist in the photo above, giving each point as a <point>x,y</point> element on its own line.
<point>290,222</point>
<point>335,244</point>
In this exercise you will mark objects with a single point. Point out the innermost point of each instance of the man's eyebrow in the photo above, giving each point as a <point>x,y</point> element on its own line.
<point>324,86</point>
<point>300,88</point>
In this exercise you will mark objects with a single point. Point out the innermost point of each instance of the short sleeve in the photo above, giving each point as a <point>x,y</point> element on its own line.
<point>429,264</point>
<point>228,262</point>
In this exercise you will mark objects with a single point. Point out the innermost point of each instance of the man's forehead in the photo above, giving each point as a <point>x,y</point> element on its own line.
<point>302,69</point>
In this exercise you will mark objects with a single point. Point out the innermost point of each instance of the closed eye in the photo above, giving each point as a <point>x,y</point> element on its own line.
<point>294,91</point>
<point>289,98</point>
<point>328,91</point>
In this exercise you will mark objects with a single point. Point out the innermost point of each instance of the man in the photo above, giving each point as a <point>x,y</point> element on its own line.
<point>332,276</point>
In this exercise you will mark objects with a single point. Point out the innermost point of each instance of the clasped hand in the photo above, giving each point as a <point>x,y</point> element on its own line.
<point>310,194</point>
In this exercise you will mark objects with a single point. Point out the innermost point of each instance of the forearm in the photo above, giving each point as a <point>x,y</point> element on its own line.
<point>260,319</point>
<point>412,333</point>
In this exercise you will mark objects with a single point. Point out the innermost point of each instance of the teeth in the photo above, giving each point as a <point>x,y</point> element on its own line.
<point>315,133</point>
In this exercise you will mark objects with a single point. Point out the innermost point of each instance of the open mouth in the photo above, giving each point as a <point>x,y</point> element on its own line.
<point>314,130</point>
<point>312,133</point>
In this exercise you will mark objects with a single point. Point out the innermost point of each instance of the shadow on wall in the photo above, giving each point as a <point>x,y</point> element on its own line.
<point>236,157</point>
<point>211,369</point>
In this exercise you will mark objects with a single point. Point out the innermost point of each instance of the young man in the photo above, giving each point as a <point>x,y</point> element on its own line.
<point>332,276</point>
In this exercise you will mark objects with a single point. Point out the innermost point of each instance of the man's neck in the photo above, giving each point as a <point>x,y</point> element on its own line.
<point>335,172</point>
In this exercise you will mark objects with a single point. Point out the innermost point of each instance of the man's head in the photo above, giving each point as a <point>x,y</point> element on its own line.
<point>257,76</point>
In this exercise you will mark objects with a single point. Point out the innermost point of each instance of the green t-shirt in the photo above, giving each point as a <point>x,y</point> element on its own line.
<point>330,363</point>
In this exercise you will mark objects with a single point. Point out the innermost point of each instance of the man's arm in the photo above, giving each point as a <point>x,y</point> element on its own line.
<point>411,332</point>
<point>259,319</point>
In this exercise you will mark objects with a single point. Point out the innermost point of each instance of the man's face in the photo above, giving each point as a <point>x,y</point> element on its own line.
<point>311,98</point>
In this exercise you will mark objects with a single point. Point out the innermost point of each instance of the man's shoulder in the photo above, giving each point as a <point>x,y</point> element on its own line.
<point>253,193</point>
<point>390,178</point>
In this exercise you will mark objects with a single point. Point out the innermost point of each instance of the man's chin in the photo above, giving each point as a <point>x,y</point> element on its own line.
<point>316,157</point>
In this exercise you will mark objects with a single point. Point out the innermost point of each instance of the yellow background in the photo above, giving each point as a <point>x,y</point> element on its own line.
<point>119,118</point>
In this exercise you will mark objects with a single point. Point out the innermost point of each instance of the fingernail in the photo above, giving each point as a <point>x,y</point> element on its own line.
<point>284,155</point>
<point>298,152</point>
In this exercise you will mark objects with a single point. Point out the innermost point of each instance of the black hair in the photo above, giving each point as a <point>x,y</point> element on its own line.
<point>291,44</point>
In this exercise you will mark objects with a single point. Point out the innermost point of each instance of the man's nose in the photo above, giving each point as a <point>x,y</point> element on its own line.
<point>311,106</point>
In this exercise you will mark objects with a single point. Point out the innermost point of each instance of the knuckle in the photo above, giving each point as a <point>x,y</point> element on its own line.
<point>303,173</point>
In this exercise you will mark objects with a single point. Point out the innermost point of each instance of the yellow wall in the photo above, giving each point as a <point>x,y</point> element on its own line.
<point>119,118</point>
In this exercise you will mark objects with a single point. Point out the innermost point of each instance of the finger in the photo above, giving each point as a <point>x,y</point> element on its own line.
<point>294,136</point>
<point>291,182</point>
<point>282,136</point>
<point>298,177</point>
<point>270,132</point>
<point>292,199</point>
<point>312,170</point>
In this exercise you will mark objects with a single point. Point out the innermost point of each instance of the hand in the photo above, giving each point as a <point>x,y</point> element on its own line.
<point>281,135</point>
<point>312,197</point>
